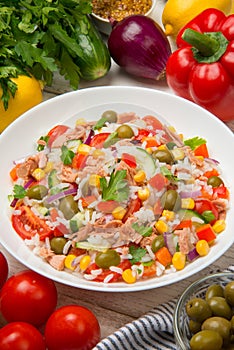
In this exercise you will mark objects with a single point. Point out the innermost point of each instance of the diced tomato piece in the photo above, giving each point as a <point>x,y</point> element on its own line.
<point>201,151</point>
<point>141,134</point>
<point>27,224</point>
<point>206,232</point>
<point>184,224</point>
<point>158,181</point>
<point>98,140</point>
<point>158,207</point>
<point>202,205</point>
<point>60,230</point>
<point>129,160</point>
<point>79,161</point>
<point>149,271</point>
<point>221,192</point>
<point>134,206</point>
<point>86,201</point>
<point>153,121</point>
<point>210,173</point>
<point>107,206</point>
<point>56,132</point>
<point>116,276</point>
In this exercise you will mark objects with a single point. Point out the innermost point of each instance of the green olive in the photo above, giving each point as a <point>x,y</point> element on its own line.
<point>220,325</point>
<point>157,243</point>
<point>214,290</point>
<point>110,116</point>
<point>215,181</point>
<point>220,307</point>
<point>68,207</point>
<point>194,326</point>
<point>198,309</point>
<point>37,192</point>
<point>206,340</point>
<point>171,200</point>
<point>163,155</point>
<point>124,132</point>
<point>107,259</point>
<point>57,244</point>
<point>232,324</point>
<point>229,293</point>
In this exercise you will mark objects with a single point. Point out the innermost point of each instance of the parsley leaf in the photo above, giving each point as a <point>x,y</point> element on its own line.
<point>117,187</point>
<point>19,191</point>
<point>142,230</point>
<point>168,174</point>
<point>137,254</point>
<point>194,142</point>
<point>67,155</point>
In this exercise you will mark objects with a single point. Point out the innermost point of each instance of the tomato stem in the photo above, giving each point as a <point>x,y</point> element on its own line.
<point>206,47</point>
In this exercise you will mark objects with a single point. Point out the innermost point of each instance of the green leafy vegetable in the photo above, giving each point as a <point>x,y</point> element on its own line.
<point>19,192</point>
<point>67,155</point>
<point>137,254</point>
<point>117,187</point>
<point>145,231</point>
<point>194,142</point>
<point>168,174</point>
<point>41,147</point>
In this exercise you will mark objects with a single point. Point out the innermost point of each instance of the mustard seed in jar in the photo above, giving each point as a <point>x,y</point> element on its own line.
<point>119,9</point>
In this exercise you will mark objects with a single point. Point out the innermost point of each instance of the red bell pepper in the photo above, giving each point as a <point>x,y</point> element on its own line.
<point>202,68</point>
<point>206,232</point>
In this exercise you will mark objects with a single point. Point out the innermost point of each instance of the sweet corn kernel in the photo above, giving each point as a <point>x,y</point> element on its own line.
<point>171,128</point>
<point>162,147</point>
<point>187,203</point>
<point>219,226</point>
<point>140,176</point>
<point>81,121</point>
<point>168,214</point>
<point>200,157</point>
<point>129,276</point>
<point>119,213</point>
<point>38,174</point>
<point>202,247</point>
<point>85,261</point>
<point>68,261</point>
<point>143,193</point>
<point>97,153</point>
<point>178,154</point>
<point>84,149</point>
<point>49,166</point>
<point>161,226</point>
<point>179,260</point>
<point>149,150</point>
<point>94,180</point>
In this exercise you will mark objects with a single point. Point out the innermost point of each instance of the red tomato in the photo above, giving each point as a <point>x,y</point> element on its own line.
<point>21,336</point>
<point>28,297</point>
<point>129,159</point>
<point>98,140</point>
<point>72,327</point>
<point>55,132</point>
<point>33,222</point>
<point>79,161</point>
<point>107,206</point>
<point>152,121</point>
<point>3,269</point>
<point>158,181</point>
<point>134,206</point>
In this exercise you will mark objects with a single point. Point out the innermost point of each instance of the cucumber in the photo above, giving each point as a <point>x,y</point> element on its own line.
<point>145,161</point>
<point>76,222</point>
<point>90,246</point>
<point>188,214</point>
<point>73,145</point>
<point>95,61</point>
<point>52,178</point>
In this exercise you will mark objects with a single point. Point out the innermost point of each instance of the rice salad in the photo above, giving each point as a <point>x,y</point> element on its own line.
<point>120,199</point>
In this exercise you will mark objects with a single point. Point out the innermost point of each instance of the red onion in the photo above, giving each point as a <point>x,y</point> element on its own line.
<point>89,138</point>
<point>169,242</point>
<point>190,194</point>
<point>139,45</point>
<point>193,254</point>
<point>54,197</point>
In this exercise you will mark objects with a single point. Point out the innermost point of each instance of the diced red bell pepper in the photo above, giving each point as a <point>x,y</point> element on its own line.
<point>201,151</point>
<point>158,181</point>
<point>206,232</point>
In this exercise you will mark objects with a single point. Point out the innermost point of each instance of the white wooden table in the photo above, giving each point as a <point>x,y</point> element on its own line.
<point>114,310</point>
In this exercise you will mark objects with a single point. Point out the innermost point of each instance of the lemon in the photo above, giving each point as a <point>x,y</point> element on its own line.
<point>28,95</point>
<point>177,13</point>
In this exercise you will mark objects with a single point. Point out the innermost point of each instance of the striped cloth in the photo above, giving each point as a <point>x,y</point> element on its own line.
<point>153,331</point>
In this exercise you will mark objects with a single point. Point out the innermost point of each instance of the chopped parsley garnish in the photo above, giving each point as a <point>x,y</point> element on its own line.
<point>145,231</point>
<point>137,253</point>
<point>19,192</point>
<point>41,147</point>
<point>67,155</point>
<point>117,187</point>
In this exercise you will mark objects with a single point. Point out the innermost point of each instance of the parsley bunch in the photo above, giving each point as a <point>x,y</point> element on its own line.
<point>38,37</point>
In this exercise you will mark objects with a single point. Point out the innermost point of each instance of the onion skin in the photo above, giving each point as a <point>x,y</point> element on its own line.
<point>139,45</point>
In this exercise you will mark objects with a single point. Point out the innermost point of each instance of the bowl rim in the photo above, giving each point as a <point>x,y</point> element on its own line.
<point>105,20</point>
<point>189,291</point>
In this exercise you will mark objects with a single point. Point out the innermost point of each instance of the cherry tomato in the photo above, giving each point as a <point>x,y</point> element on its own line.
<point>33,222</point>
<point>72,327</point>
<point>55,132</point>
<point>3,269</point>
<point>134,206</point>
<point>28,297</point>
<point>203,205</point>
<point>21,336</point>
<point>99,139</point>
<point>79,161</point>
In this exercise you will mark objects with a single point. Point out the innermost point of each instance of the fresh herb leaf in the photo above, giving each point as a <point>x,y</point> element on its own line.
<point>142,230</point>
<point>194,142</point>
<point>19,191</point>
<point>111,139</point>
<point>41,147</point>
<point>137,254</point>
<point>67,155</point>
<point>168,174</point>
<point>117,187</point>
<point>100,123</point>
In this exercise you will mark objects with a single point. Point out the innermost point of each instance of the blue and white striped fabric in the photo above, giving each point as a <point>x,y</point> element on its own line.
<point>153,331</point>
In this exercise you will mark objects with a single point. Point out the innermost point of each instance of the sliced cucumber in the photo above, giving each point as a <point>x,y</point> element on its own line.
<point>73,145</point>
<point>91,246</point>
<point>53,179</point>
<point>76,222</point>
<point>188,214</point>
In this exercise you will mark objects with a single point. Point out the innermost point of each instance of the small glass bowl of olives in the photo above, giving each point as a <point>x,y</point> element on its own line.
<point>204,314</point>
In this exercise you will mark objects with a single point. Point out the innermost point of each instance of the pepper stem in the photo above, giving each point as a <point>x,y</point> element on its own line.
<point>207,47</point>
